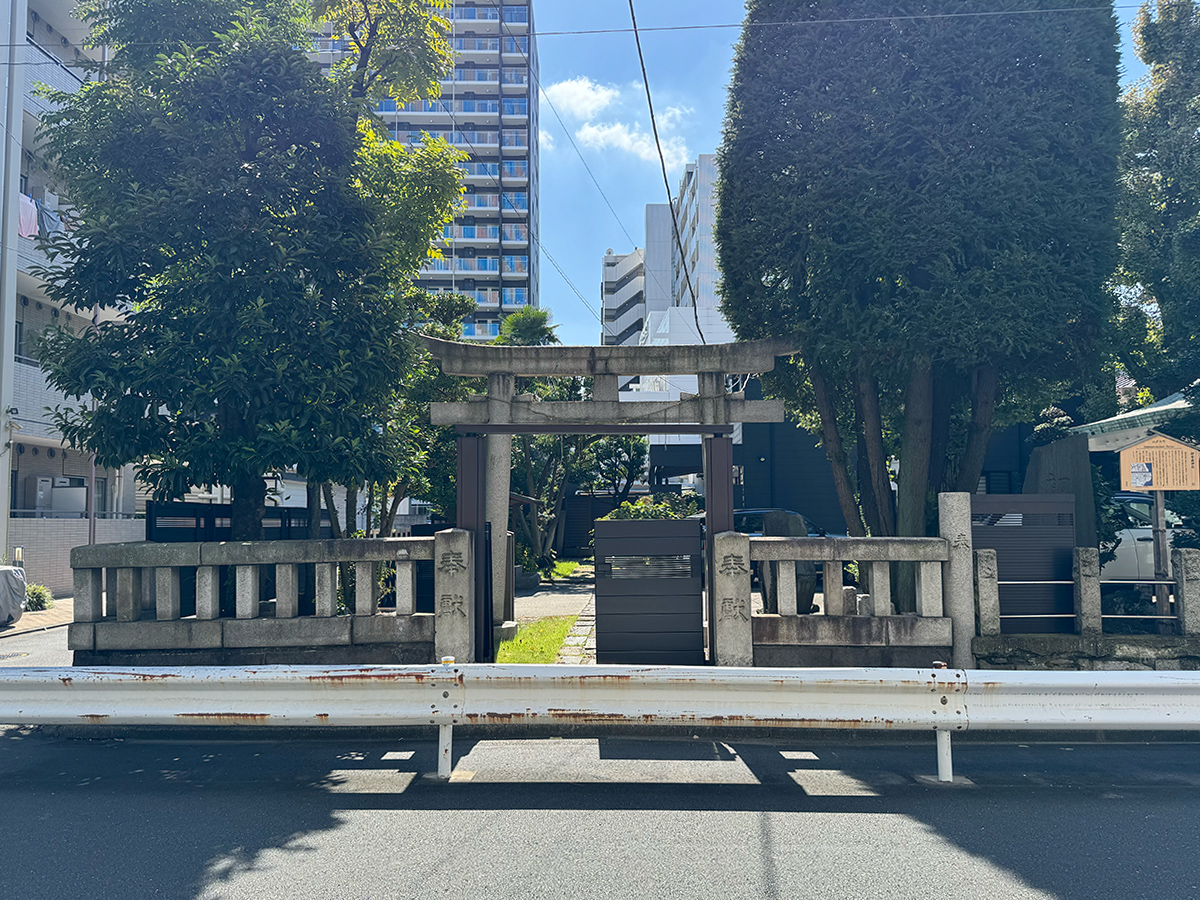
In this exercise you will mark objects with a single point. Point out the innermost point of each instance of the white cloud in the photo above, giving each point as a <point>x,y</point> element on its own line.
<point>633,139</point>
<point>581,98</point>
<point>623,108</point>
<point>545,139</point>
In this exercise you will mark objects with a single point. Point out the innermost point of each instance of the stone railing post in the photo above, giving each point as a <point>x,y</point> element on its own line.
<point>958,589</point>
<point>987,592</point>
<point>1085,572</point>
<point>454,595</point>
<point>733,629</point>
<point>929,590</point>
<point>1185,567</point>
<point>833,589</point>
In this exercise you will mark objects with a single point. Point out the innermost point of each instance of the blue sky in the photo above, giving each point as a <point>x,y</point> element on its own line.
<point>595,83</point>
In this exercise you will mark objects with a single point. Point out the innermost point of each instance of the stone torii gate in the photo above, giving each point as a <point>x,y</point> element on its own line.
<point>486,424</point>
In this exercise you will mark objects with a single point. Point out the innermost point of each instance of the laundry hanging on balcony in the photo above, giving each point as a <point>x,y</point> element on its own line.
<point>48,221</point>
<point>27,221</point>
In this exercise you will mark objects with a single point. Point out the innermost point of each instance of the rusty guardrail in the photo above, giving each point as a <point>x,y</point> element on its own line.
<point>939,700</point>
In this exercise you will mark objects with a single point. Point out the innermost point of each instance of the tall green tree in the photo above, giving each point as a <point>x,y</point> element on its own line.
<point>261,237</point>
<point>1159,273</point>
<point>925,204</point>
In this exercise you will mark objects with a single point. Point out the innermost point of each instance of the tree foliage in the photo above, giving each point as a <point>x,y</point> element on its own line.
<point>1159,271</point>
<point>260,237</point>
<point>925,205</point>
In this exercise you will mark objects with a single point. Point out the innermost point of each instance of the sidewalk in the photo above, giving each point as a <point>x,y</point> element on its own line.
<point>63,613</point>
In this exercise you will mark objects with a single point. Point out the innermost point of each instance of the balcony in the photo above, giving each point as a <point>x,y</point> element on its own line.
<point>481,331</point>
<point>42,67</point>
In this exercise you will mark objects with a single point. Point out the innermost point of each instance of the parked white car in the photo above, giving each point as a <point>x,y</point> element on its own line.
<point>1135,553</point>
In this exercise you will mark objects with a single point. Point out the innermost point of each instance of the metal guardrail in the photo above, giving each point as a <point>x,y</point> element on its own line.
<point>940,700</point>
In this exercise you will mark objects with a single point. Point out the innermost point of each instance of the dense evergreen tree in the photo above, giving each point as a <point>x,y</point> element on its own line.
<point>925,204</point>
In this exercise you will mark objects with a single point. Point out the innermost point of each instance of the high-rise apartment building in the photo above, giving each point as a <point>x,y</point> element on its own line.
<point>51,488</point>
<point>488,109</point>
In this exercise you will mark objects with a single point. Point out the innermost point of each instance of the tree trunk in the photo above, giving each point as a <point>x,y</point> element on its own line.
<point>351,509</point>
<point>914,476</point>
<point>914,452</point>
<point>334,524</point>
<point>835,451</point>
<point>945,392</point>
<point>312,491</point>
<point>866,494</point>
<point>867,388</point>
<point>249,507</point>
<point>984,388</point>
<point>387,523</point>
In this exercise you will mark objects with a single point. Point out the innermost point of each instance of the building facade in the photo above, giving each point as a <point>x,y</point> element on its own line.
<point>54,498</point>
<point>489,110</point>
<point>623,298</point>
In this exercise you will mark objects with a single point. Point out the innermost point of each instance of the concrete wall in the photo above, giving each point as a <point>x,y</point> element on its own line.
<point>47,545</point>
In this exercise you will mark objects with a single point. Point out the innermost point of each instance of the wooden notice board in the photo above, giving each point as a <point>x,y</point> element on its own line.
<point>1160,463</point>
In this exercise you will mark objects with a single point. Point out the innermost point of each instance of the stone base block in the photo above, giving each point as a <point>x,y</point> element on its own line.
<point>818,657</point>
<point>184,634</point>
<point>349,655</point>
<point>852,631</point>
<point>81,636</point>
<point>505,632</point>
<point>385,629</point>
<point>287,632</point>
<point>1088,652</point>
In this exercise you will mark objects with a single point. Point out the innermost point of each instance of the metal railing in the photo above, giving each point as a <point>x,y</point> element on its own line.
<point>607,697</point>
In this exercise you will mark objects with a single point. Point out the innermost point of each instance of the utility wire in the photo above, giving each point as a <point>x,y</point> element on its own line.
<point>845,21</point>
<point>570,139</point>
<point>666,180</point>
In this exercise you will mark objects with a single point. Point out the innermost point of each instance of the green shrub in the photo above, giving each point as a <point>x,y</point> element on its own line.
<point>659,506</point>
<point>38,597</point>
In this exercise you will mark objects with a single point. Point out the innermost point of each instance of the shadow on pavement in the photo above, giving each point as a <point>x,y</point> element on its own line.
<point>181,818</point>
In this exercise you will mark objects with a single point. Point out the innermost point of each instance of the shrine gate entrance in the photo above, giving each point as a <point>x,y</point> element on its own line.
<point>486,424</point>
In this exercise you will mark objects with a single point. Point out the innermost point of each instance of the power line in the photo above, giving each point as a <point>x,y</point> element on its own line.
<point>845,21</point>
<point>666,180</point>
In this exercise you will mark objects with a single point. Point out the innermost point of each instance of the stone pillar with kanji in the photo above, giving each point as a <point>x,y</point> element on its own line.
<point>453,595</point>
<point>731,600</point>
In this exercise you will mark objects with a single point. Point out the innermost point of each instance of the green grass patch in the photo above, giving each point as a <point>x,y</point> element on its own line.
<point>565,567</point>
<point>536,642</point>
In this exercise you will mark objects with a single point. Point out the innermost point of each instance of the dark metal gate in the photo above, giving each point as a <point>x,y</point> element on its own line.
<point>1033,535</point>
<point>649,592</point>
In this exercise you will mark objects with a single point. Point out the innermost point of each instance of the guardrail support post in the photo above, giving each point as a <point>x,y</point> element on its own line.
<point>446,750</point>
<point>987,592</point>
<point>945,759</point>
<point>1086,575</point>
<point>958,589</point>
<point>1185,567</point>
<point>731,599</point>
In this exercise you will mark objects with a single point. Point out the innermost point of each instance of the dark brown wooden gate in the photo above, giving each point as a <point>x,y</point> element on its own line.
<point>649,592</point>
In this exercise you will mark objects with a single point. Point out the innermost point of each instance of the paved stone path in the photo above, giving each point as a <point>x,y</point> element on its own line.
<point>579,648</point>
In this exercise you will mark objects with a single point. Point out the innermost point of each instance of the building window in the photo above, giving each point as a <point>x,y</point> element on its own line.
<point>519,14</point>
<point>516,44</point>
<point>516,106</point>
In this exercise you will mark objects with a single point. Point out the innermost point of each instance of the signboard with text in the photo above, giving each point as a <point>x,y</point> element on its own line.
<point>1160,463</point>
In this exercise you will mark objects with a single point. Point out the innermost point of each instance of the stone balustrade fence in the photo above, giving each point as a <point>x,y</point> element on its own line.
<point>128,600</point>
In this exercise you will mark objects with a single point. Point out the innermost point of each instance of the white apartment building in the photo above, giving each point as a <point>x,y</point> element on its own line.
<point>51,488</point>
<point>489,109</point>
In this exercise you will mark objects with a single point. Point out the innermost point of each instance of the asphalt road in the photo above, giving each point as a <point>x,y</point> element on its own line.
<point>181,816</point>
